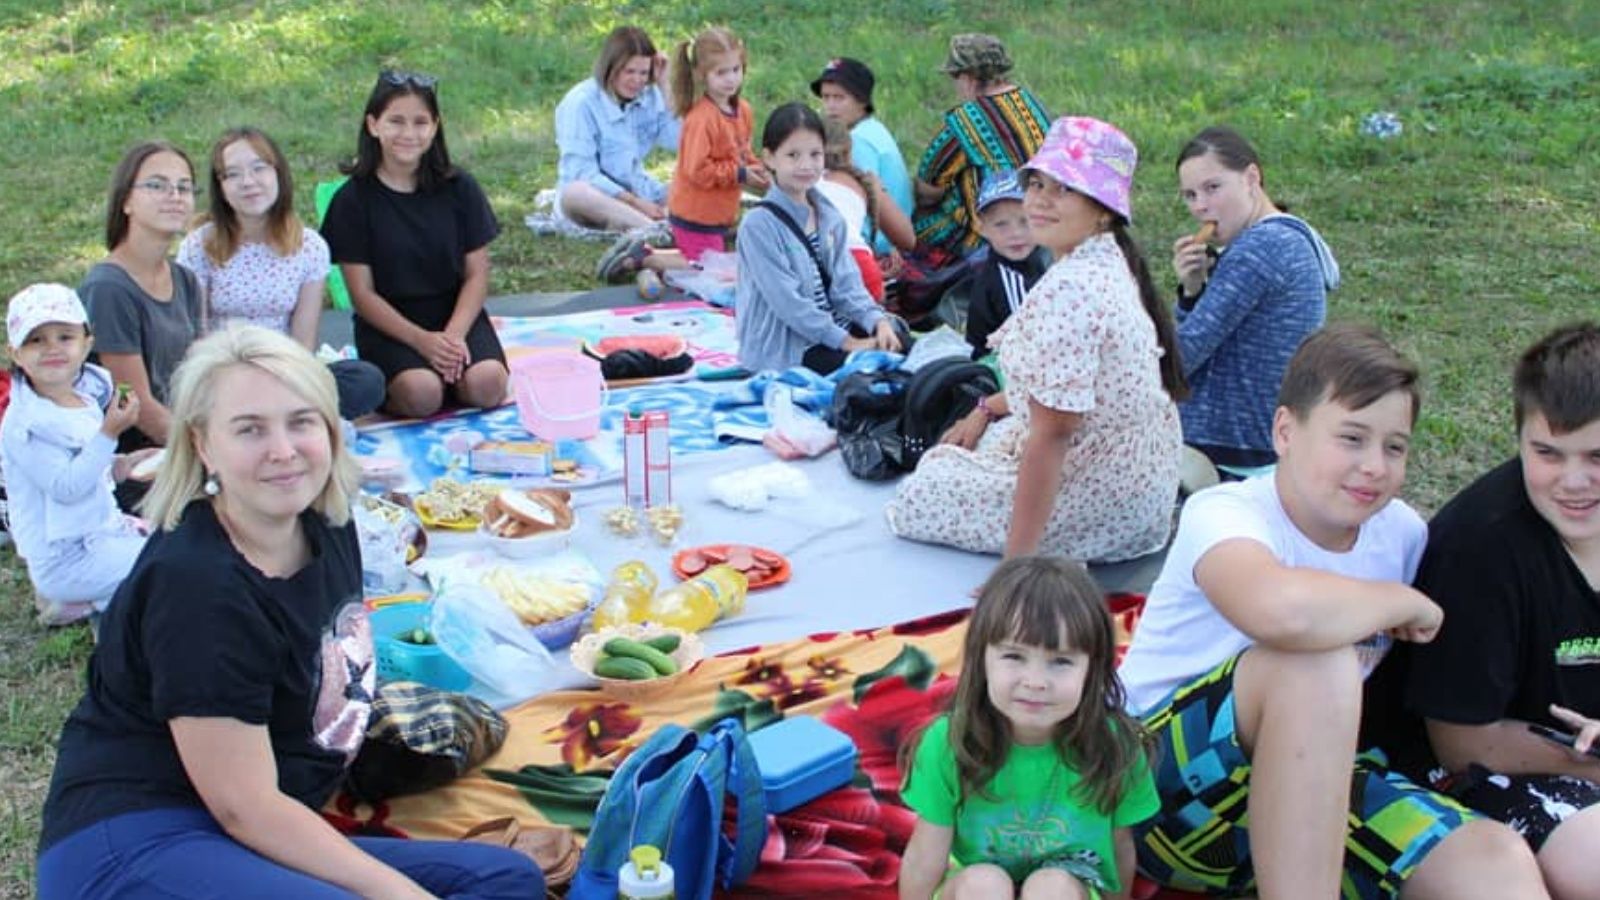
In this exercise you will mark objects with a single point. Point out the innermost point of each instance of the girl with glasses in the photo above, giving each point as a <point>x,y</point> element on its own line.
<point>144,309</point>
<point>411,235</point>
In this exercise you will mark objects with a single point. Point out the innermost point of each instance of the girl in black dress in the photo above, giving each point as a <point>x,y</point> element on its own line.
<point>411,235</point>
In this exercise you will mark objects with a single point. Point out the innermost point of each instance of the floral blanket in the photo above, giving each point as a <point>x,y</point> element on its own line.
<point>876,685</point>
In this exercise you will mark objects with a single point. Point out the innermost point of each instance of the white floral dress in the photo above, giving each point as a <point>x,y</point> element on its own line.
<point>1081,343</point>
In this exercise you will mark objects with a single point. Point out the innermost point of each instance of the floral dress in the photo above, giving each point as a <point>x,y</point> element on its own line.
<point>1081,343</point>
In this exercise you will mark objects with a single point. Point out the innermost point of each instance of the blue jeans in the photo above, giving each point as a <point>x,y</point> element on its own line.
<point>184,853</point>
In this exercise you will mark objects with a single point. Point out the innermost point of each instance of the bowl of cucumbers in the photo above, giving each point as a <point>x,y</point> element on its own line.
<point>637,660</point>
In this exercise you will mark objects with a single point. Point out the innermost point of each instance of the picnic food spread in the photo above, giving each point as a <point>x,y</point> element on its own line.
<point>761,567</point>
<point>519,514</point>
<point>448,503</point>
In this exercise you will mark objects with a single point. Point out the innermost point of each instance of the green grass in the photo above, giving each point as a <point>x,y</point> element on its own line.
<point>1464,238</point>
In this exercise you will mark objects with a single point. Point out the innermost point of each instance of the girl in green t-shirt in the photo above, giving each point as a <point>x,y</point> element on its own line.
<point>1029,785</point>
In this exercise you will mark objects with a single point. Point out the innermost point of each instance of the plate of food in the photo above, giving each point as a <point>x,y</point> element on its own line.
<point>525,523</point>
<point>454,505</point>
<point>764,568</point>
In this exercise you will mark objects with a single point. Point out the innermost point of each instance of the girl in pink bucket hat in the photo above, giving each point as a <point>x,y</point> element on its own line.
<point>1081,454</point>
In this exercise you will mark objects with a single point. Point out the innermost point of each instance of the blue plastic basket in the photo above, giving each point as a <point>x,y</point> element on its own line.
<point>404,661</point>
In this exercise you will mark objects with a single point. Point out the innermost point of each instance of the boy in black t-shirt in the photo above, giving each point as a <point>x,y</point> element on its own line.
<point>1514,560</point>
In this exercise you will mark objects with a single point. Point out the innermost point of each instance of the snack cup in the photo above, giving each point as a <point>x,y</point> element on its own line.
<point>587,651</point>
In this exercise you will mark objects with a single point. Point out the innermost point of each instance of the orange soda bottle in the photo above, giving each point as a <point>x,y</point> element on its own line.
<point>628,595</point>
<point>716,593</point>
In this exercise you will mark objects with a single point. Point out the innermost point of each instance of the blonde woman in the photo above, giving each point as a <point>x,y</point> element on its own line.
<point>234,676</point>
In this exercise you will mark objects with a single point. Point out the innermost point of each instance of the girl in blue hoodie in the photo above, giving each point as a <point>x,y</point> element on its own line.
<point>1243,311</point>
<point>58,444</point>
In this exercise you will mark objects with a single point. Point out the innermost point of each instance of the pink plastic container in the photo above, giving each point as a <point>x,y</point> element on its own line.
<point>560,394</point>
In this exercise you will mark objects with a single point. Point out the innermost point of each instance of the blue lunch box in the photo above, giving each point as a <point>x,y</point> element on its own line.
<point>802,758</point>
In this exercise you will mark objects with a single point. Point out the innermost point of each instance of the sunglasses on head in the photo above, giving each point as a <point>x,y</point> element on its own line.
<point>404,79</point>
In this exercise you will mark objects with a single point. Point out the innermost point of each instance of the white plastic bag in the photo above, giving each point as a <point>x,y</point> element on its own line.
<point>941,343</point>
<point>795,433</point>
<point>477,630</point>
<point>384,537</point>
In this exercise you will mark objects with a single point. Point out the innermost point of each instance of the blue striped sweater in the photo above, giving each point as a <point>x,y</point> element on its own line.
<point>1268,291</point>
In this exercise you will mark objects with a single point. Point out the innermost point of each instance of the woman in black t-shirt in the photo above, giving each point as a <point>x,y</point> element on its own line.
<point>234,677</point>
<point>411,235</point>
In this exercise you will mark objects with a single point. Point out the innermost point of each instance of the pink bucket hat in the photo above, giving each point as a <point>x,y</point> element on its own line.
<point>41,304</point>
<point>1091,157</point>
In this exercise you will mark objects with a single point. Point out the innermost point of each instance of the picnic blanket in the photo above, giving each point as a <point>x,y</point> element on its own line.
<point>704,417</point>
<point>877,685</point>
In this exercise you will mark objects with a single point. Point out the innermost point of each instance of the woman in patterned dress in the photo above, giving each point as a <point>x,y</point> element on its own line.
<point>1081,455</point>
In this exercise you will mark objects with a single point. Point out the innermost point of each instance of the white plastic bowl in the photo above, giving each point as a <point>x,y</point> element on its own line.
<point>545,543</point>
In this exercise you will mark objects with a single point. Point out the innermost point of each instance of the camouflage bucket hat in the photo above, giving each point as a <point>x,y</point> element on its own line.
<point>980,54</point>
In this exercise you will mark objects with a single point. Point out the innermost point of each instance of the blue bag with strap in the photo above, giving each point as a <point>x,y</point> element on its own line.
<point>670,793</point>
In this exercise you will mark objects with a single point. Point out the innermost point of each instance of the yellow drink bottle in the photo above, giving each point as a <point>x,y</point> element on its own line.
<point>628,595</point>
<point>693,605</point>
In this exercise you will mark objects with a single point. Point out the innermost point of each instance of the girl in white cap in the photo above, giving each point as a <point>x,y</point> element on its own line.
<point>58,446</point>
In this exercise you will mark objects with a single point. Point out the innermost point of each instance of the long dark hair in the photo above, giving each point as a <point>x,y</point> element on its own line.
<point>284,229</point>
<point>786,120</point>
<point>1229,146</point>
<point>435,169</point>
<point>1043,601</point>
<point>1166,332</point>
<point>122,179</point>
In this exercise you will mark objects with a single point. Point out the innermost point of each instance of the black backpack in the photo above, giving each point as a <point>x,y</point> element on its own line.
<point>938,395</point>
<point>866,415</point>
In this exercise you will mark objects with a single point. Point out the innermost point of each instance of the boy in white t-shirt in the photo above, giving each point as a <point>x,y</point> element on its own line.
<point>1278,597</point>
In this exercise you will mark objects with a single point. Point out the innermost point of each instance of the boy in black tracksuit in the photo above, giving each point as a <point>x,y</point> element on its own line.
<point>996,288</point>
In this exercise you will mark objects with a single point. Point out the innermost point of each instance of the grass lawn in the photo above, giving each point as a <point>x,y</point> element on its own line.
<point>1464,237</point>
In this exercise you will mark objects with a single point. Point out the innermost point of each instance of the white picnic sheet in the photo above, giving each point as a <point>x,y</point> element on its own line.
<point>849,570</point>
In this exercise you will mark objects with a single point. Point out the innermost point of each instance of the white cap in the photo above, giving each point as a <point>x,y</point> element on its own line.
<point>41,304</point>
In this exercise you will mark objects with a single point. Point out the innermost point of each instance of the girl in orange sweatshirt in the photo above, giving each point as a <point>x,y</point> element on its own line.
<point>714,155</point>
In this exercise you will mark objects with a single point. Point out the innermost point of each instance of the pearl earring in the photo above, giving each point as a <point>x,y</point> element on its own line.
<point>211,487</point>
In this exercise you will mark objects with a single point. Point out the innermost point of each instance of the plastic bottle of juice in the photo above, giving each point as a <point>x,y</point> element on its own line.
<point>645,876</point>
<point>628,595</point>
<point>716,593</point>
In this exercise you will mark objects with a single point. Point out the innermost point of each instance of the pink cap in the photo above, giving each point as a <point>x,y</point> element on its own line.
<point>1091,157</point>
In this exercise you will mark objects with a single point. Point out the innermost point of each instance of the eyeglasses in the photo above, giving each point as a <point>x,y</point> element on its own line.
<point>164,187</point>
<point>403,79</point>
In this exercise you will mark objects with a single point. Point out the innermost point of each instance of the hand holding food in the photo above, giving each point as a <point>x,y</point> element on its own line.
<point>1191,260</point>
<point>122,412</point>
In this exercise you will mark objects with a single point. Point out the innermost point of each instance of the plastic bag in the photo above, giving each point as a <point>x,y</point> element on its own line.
<point>714,281</point>
<point>385,532</point>
<point>795,433</point>
<point>474,628</point>
<point>939,344</point>
<point>751,488</point>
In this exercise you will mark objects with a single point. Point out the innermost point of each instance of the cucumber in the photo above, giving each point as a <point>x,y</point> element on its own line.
<point>666,643</point>
<point>625,667</point>
<point>657,660</point>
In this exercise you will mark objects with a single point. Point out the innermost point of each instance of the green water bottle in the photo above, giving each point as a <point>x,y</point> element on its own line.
<point>645,876</point>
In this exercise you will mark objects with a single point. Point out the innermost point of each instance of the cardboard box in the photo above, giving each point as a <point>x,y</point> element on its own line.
<point>511,458</point>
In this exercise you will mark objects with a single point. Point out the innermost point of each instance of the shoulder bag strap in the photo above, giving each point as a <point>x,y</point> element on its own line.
<point>785,218</point>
